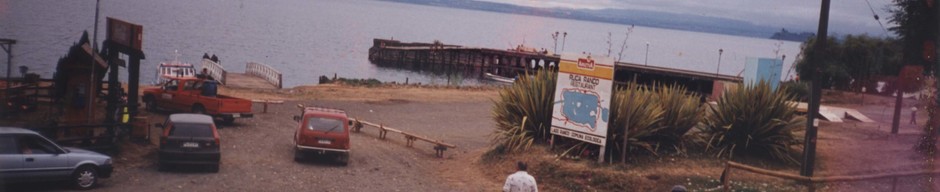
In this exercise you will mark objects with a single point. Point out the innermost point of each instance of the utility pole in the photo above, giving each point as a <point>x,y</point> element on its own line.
<point>94,47</point>
<point>7,45</point>
<point>809,143</point>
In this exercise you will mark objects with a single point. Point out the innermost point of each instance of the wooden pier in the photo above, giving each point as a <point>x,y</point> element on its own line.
<point>513,62</point>
<point>256,76</point>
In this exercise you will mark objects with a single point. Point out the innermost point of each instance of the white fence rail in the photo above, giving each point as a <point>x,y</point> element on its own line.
<point>265,72</point>
<point>215,70</point>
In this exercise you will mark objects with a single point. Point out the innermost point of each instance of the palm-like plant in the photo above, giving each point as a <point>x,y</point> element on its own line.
<point>682,111</point>
<point>513,139</point>
<point>754,120</point>
<point>526,105</point>
<point>634,115</point>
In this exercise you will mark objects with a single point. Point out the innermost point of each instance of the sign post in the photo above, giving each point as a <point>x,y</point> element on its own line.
<point>582,99</point>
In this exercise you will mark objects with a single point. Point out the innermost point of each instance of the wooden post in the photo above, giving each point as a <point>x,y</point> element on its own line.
<point>725,178</point>
<point>382,132</point>
<point>894,184</point>
<point>440,150</point>
<point>600,156</point>
<point>357,126</point>
<point>551,142</point>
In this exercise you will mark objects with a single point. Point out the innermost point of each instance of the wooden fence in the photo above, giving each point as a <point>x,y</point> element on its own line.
<point>410,138</point>
<point>810,182</point>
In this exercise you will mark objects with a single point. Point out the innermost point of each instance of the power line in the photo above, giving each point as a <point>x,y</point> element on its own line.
<point>876,17</point>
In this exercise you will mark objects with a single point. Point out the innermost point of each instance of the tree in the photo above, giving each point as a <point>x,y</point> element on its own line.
<point>853,61</point>
<point>917,27</point>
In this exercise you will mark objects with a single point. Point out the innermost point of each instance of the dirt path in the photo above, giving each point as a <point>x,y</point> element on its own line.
<point>855,148</point>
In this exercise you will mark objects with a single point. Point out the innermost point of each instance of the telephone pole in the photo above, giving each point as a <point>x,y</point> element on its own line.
<point>809,142</point>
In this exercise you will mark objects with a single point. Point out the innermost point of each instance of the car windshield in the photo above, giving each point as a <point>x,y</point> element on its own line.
<point>191,130</point>
<point>324,124</point>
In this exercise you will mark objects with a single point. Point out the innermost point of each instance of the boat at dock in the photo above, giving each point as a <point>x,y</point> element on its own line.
<point>498,78</point>
<point>173,68</point>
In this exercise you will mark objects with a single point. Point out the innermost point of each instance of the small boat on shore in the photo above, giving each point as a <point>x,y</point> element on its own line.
<point>174,68</point>
<point>498,78</point>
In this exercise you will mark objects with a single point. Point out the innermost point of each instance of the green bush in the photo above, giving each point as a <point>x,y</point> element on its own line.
<point>634,111</point>
<point>754,120</point>
<point>527,106</point>
<point>682,112</point>
<point>798,89</point>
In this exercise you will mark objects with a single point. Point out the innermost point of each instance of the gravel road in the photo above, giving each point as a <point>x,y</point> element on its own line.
<point>257,153</point>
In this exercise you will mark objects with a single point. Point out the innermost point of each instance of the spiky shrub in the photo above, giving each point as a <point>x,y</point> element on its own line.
<point>526,106</point>
<point>682,110</point>
<point>513,139</point>
<point>753,120</point>
<point>634,111</point>
<point>798,89</point>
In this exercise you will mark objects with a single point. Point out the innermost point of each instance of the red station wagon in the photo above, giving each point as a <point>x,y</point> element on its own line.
<point>322,131</point>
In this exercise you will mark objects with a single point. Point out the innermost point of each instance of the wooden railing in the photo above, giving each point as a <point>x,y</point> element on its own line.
<point>810,182</point>
<point>215,70</point>
<point>265,72</point>
<point>410,138</point>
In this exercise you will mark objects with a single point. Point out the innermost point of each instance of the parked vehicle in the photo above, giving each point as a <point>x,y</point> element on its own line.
<point>28,156</point>
<point>322,131</point>
<point>189,139</point>
<point>187,94</point>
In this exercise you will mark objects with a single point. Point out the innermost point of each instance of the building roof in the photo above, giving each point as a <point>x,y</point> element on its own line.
<point>191,118</point>
<point>98,58</point>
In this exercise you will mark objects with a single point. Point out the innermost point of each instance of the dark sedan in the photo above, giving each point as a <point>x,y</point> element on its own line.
<point>189,139</point>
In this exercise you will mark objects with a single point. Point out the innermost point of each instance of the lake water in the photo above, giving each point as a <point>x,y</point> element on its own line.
<point>305,39</point>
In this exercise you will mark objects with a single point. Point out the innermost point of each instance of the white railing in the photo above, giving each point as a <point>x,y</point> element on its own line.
<point>265,72</point>
<point>215,70</point>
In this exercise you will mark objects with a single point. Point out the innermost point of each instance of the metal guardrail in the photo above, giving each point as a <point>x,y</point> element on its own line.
<point>215,70</point>
<point>265,72</point>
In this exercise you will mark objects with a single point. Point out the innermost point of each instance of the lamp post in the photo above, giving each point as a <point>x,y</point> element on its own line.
<point>647,58</point>
<point>717,69</point>
<point>555,37</point>
<point>564,37</point>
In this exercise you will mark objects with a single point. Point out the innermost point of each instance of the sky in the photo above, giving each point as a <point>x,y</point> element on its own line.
<point>845,17</point>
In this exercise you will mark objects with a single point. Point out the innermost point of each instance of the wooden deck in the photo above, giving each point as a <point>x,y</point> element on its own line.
<point>256,76</point>
<point>241,80</point>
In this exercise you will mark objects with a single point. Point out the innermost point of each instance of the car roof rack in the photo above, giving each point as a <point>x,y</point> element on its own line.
<point>321,109</point>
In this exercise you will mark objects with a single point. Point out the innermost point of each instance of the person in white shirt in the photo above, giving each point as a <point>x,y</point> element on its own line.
<point>521,180</point>
<point>914,115</point>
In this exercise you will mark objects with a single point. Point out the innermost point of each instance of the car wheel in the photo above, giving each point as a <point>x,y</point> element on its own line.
<point>151,104</point>
<point>199,109</point>
<point>298,156</point>
<point>85,177</point>
<point>228,120</point>
<point>344,159</point>
<point>163,167</point>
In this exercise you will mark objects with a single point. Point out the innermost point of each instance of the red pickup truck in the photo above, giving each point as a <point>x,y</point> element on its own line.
<point>187,94</point>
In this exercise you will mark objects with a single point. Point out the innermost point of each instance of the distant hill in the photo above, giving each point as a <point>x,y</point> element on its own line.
<point>783,34</point>
<point>686,22</point>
